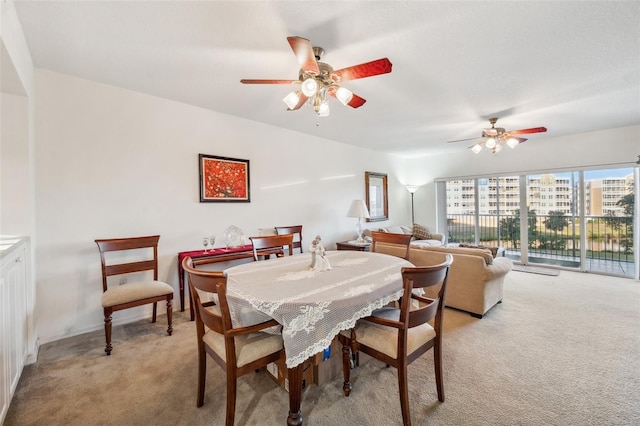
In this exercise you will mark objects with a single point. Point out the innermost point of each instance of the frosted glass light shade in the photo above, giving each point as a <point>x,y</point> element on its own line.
<point>309,87</point>
<point>512,143</point>
<point>291,100</point>
<point>344,95</point>
<point>411,188</point>
<point>490,143</point>
<point>323,111</point>
<point>476,148</point>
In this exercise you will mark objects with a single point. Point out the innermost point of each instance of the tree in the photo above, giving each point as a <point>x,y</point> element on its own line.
<point>510,228</point>
<point>556,221</point>
<point>627,203</point>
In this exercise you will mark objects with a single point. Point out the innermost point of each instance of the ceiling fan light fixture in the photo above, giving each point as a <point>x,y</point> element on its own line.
<point>490,143</point>
<point>476,148</point>
<point>512,142</point>
<point>291,100</point>
<point>496,149</point>
<point>344,95</point>
<point>323,109</point>
<point>309,87</point>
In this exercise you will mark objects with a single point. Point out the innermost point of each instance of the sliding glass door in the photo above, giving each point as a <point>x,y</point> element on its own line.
<point>575,219</point>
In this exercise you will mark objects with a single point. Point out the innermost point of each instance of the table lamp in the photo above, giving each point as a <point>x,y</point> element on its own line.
<point>358,209</point>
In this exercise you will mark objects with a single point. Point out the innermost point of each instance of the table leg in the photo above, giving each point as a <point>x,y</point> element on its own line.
<point>295,395</point>
<point>181,289</point>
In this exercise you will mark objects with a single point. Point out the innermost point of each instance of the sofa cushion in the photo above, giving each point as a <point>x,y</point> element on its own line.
<point>426,243</point>
<point>421,232</point>
<point>485,254</point>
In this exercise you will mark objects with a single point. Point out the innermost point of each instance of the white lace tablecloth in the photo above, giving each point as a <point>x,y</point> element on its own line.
<point>312,306</point>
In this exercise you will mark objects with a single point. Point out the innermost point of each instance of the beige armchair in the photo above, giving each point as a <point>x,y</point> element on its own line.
<point>476,279</point>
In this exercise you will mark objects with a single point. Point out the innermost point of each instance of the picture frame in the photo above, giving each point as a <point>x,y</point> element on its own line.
<point>224,179</point>
<point>376,196</point>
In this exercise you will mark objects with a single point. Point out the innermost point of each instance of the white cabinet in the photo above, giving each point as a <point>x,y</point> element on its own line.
<point>13,320</point>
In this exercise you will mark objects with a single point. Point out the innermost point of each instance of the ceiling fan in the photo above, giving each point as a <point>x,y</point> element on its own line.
<point>318,79</point>
<point>494,138</point>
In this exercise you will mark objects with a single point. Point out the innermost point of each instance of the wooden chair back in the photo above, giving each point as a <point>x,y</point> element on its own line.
<point>119,244</point>
<point>399,243</point>
<point>271,244</point>
<point>296,230</point>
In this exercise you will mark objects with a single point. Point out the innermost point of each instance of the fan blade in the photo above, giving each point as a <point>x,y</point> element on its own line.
<point>301,100</point>
<point>520,140</point>
<point>464,140</point>
<point>250,81</point>
<point>527,131</point>
<point>368,69</point>
<point>355,102</point>
<point>304,53</point>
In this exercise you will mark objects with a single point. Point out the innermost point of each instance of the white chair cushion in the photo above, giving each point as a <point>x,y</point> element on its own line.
<point>385,339</point>
<point>248,347</point>
<point>131,292</point>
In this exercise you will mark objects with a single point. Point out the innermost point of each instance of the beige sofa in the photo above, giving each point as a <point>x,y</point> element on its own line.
<point>475,279</point>
<point>435,240</point>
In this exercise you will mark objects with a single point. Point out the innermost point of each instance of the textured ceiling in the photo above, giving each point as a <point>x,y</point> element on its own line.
<point>570,66</point>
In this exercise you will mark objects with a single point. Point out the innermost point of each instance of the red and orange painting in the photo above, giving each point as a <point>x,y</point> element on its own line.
<point>223,179</point>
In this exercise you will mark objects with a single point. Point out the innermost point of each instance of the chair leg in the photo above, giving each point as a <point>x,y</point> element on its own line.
<point>107,330</point>
<point>155,311</point>
<point>437,362</point>
<point>346,369</point>
<point>169,316</point>
<point>403,389</point>
<point>202,374</point>
<point>231,397</point>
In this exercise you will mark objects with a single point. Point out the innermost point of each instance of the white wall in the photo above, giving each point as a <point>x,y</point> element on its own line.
<point>115,163</point>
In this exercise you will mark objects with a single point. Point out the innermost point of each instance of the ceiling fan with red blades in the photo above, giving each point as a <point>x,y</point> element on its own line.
<point>494,138</point>
<point>318,79</point>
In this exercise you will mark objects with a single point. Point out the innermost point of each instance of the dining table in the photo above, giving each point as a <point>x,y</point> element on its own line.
<point>312,306</point>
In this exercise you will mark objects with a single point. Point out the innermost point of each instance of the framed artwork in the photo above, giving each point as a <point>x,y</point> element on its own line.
<point>376,194</point>
<point>223,179</point>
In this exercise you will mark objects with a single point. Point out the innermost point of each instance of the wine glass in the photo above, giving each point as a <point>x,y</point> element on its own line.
<point>205,243</point>
<point>212,241</point>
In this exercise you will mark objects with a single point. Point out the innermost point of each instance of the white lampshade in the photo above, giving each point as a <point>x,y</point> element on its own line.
<point>490,143</point>
<point>512,142</point>
<point>477,148</point>
<point>411,188</point>
<point>344,95</point>
<point>358,209</point>
<point>309,87</point>
<point>323,110</point>
<point>292,100</point>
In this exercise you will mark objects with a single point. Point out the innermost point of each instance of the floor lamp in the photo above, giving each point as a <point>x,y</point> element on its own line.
<point>412,189</point>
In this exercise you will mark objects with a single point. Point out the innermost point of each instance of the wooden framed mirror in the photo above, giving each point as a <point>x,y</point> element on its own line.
<point>376,196</point>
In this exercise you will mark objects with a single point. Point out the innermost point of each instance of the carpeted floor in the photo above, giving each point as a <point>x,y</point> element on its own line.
<point>560,350</point>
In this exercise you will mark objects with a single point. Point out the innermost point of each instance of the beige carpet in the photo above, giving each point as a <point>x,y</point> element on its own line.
<point>559,351</point>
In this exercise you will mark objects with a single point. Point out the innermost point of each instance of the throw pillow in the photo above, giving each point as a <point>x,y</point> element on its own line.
<point>421,232</point>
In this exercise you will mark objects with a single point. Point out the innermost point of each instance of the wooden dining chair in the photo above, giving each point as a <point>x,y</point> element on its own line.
<point>121,295</point>
<point>296,230</point>
<point>390,243</point>
<point>398,337</point>
<point>267,245</point>
<point>238,350</point>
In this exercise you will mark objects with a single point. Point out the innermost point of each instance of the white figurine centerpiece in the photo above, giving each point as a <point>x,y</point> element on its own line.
<point>319,260</point>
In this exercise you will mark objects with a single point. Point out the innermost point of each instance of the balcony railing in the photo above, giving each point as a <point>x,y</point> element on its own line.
<point>553,239</point>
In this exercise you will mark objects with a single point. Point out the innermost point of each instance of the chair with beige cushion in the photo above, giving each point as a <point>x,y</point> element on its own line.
<point>238,350</point>
<point>398,337</point>
<point>390,243</point>
<point>131,294</point>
